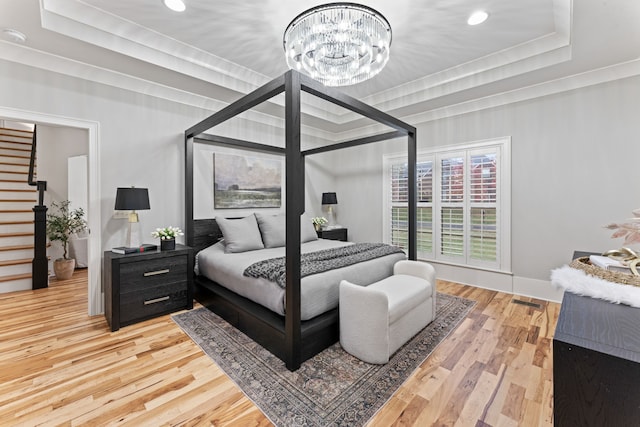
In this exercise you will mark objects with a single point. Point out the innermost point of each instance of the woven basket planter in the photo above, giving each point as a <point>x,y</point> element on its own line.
<point>585,265</point>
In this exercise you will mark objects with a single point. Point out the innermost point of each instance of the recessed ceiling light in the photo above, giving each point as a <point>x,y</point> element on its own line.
<point>477,17</point>
<point>14,35</point>
<point>175,5</point>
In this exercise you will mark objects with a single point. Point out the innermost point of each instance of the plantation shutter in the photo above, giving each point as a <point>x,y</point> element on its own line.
<point>399,214</point>
<point>425,208</point>
<point>483,219</point>
<point>461,216</point>
<point>399,198</point>
<point>452,198</point>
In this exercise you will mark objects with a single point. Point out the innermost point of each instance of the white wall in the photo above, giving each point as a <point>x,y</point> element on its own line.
<point>141,144</point>
<point>575,158</point>
<point>141,140</point>
<point>54,146</point>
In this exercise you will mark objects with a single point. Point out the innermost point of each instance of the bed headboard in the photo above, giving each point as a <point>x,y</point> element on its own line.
<point>205,233</point>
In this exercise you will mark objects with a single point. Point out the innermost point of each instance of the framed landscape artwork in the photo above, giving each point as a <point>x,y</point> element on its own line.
<point>241,182</point>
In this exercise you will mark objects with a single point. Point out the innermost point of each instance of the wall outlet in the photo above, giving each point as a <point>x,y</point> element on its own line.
<point>120,214</point>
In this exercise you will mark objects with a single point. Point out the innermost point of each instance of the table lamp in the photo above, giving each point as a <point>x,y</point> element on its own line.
<point>330,199</point>
<point>132,199</point>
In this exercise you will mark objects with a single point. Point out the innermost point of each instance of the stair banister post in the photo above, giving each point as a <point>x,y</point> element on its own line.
<point>40,267</point>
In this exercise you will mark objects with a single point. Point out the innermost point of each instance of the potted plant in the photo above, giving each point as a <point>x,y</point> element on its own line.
<point>319,222</point>
<point>61,224</point>
<point>167,236</point>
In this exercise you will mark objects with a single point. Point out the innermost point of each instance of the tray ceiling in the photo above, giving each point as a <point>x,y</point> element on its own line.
<point>222,49</point>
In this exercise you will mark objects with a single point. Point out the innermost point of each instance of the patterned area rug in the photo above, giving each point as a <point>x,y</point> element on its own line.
<point>331,389</point>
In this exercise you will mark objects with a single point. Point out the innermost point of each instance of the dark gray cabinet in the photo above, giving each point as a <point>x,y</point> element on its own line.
<point>145,285</point>
<point>334,234</point>
<point>596,363</point>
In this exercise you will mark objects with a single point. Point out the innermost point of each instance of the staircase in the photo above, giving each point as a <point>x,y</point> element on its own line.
<point>17,199</point>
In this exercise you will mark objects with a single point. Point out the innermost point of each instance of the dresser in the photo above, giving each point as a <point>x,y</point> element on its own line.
<point>596,363</point>
<point>145,285</point>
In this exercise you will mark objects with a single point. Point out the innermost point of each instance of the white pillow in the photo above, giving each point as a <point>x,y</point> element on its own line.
<point>240,235</point>
<point>273,229</point>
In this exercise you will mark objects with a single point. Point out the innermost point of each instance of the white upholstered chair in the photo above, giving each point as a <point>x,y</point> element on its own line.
<point>376,320</point>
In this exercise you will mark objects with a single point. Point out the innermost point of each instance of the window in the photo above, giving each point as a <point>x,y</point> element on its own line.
<point>399,212</point>
<point>463,207</point>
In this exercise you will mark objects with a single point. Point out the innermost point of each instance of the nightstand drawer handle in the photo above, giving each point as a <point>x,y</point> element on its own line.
<point>153,301</point>
<point>154,273</point>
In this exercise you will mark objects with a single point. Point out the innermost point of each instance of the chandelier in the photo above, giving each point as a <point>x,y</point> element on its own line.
<point>338,44</point>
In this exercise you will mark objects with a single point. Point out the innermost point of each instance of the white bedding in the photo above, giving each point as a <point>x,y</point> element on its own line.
<point>319,291</point>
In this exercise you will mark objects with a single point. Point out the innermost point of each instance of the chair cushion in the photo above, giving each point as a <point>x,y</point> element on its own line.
<point>404,293</point>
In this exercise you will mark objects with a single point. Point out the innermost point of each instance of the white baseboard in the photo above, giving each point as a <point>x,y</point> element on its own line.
<point>501,282</point>
<point>541,289</point>
<point>470,276</point>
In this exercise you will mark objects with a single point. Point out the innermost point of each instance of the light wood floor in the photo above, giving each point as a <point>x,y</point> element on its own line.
<point>58,366</point>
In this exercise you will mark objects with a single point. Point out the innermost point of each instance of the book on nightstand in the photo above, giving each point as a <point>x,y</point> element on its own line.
<point>123,250</point>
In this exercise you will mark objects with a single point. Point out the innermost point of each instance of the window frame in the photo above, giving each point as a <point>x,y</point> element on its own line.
<point>501,147</point>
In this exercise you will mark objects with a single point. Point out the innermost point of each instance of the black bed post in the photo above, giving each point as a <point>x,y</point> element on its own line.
<point>413,224</point>
<point>188,185</point>
<point>294,208</point>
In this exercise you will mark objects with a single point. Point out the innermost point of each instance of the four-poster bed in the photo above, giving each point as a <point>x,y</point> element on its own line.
<point>288,337</point>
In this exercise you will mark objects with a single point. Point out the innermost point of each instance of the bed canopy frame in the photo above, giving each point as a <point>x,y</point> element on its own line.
<point>291,339</point>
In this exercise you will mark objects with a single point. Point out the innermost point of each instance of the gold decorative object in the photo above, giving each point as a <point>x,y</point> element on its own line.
<point>627,257</point>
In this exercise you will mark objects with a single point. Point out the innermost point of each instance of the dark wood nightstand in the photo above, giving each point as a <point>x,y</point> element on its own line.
<point>145,285</point>
<point>334,234</point>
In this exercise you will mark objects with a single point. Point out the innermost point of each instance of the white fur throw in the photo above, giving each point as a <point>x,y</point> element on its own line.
<point>578,282</point>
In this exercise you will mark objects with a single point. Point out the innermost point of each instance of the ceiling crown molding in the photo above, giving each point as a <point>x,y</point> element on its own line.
<point>92,25</point>
<point>54,63</point>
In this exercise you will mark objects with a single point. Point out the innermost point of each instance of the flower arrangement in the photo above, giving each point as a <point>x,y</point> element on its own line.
<point>167,233</point>
<point>319,221</point>
<point>629,230</point>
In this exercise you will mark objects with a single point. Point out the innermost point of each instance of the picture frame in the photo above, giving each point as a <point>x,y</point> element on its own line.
<point>246,181</point>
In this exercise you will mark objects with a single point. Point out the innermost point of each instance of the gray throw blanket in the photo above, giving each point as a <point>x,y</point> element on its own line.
<point>320,261</point>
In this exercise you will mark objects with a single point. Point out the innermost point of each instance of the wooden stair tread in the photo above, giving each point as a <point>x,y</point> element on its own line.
<point>13,180</point>
<point>19,234</point>
<point>15,222</point>
<point>17,130</point>
<point>15,277</point>
<point>14,144</point>
<point>8,141</point>
<point>15,156</point>
<point>14,164</point>
<point>16,247</point>
<point>28,150</point>
<point>16,262</point>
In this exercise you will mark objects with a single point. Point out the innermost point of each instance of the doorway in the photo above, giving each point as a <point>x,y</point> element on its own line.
<point>94,246</point>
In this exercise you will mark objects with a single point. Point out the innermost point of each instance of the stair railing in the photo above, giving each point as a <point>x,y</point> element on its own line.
<point>39,265</point>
